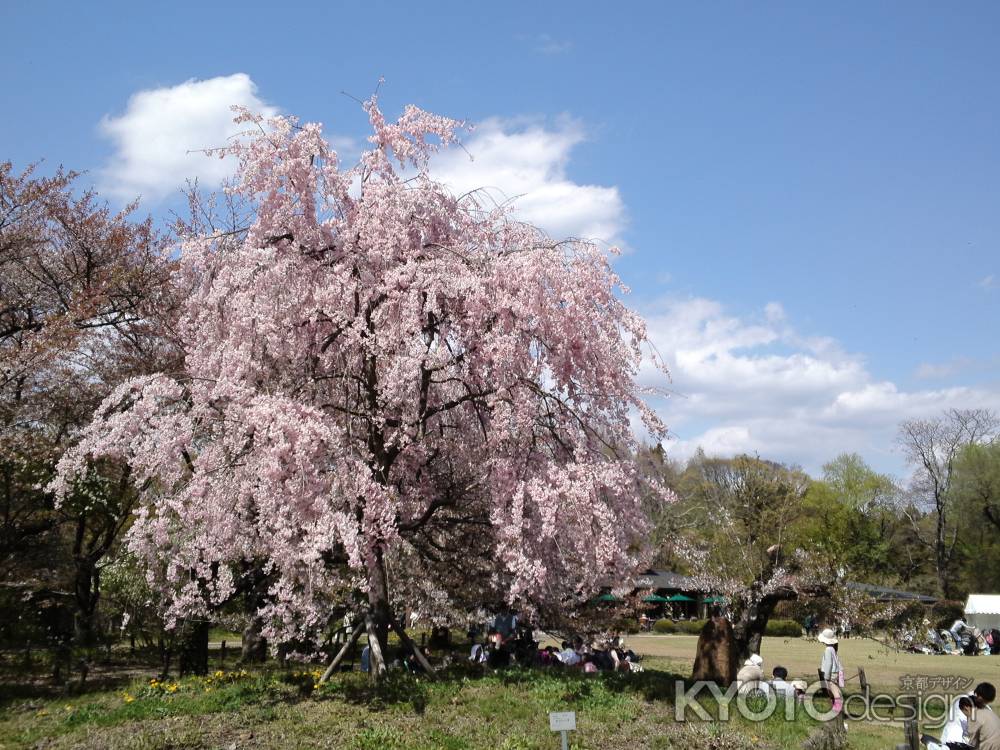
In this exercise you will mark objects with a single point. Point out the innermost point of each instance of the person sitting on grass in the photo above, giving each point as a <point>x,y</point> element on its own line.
<point>984,729</point>
<point>800,687</point>
<point>957,734</point>
<point>549,657</point>
<point>982,696</point>
<point>569,655</point>
<point>751,676</point>
<point>954,734</point>
<point>478,654</point>
<point>780,684</point>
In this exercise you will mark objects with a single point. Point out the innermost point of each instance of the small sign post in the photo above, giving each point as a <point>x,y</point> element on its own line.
<point>563,722</point>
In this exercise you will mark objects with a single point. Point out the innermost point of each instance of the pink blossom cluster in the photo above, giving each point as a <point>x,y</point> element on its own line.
<point>383,385</point>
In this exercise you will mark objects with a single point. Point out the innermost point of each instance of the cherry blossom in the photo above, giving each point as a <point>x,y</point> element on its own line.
<point>386,388</point>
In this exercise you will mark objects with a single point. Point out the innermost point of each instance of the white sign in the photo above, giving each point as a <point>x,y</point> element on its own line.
<point>562,721</point>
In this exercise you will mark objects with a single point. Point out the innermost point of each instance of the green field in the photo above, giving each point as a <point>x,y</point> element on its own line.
<point>884,667</point>
<point>465,709</point>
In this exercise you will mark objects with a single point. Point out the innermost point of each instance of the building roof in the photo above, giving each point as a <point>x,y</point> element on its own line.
<point>882,593</point>
<point>665,579</point>
<point>982,604</point>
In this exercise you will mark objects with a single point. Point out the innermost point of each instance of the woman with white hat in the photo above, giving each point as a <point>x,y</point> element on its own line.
<point>831,669</point>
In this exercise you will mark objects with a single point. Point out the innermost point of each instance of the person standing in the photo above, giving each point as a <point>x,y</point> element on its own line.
<point>831,669</point>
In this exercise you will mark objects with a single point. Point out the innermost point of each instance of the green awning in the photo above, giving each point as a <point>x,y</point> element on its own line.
<point>679,598</point>
<point>715,600</point>
<point>655,599</point>
<point>607,598</point>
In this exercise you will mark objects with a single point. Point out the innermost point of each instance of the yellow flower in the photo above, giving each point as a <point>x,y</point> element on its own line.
<point>128,698</point>
<point>172,687</point>
<point>69,708</point>
<point>220,673</point>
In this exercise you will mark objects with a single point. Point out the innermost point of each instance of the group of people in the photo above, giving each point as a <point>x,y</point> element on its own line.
<point>596,657</point>
<point>971,641</point>
<point>811,624</point>
<point>511,641</point>
<point>751,678</point>
<point>960,638</point>
<point>972,724</point>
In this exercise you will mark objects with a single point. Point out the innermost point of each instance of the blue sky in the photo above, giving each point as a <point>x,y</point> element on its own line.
<point>808,194</point>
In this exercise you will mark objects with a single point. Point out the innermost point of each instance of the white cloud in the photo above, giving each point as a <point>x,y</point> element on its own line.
<point>549,45</point>
<point>774,312</point>
<point>988,282</point>
<point>158,137</point>
<point>525,162</point>
<point>940,370</point>
<point>742,385</point>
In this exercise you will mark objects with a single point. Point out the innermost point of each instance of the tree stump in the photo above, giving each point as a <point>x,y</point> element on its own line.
<point>715,659</point>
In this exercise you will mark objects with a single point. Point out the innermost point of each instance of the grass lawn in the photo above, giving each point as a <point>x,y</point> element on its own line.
<point>465,709</point>
<point>883,667</point>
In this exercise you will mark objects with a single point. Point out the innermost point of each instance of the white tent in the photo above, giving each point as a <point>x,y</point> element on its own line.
<point>983,611</point>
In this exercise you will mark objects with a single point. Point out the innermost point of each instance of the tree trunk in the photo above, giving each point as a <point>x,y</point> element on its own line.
<point>748,630</point>
<point>85,596</point>
<point>192,645</point>
<point>379,615</point>
<point>254,648</point>
<point>941,554</point>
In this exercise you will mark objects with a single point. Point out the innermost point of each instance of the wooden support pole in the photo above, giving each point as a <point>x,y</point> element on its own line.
<point>355,635</point>
<point>408,642</point>
<point>376,661</point>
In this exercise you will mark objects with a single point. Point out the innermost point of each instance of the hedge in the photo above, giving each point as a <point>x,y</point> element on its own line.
<point>783,629</point>
<point>775,628</point>
<point>688,627</point>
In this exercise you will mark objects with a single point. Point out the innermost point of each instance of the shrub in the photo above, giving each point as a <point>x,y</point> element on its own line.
<point>664,626</point>
<point>625,625</point>
<point>945,612</point>
<point>783,629</point>
<point>690,627</point>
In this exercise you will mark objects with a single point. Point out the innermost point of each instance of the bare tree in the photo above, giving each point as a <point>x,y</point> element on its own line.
<point>81,292</point>
<point>932,447</point>
<point>747,506</point>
